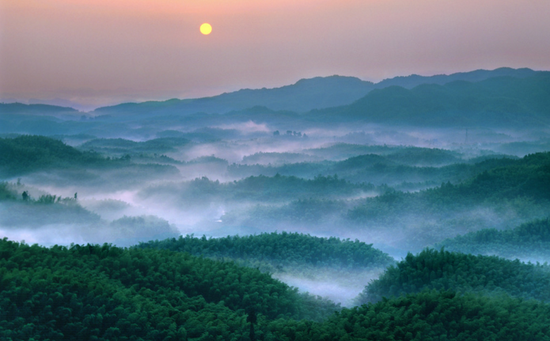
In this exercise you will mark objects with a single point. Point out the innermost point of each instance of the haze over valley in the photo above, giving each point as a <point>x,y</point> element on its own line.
<point>338,187</point>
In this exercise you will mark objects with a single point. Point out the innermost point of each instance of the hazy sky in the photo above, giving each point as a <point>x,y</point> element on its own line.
<point>106,51</point>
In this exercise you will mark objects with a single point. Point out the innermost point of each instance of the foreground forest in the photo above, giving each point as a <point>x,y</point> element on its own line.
<point>108,293</point>
<point>332,209</point>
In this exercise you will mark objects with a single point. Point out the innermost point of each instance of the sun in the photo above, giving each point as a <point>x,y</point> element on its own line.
<point>206,28</point>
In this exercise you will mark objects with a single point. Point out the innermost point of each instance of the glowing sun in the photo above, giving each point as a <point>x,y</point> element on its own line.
<point>206,28</point>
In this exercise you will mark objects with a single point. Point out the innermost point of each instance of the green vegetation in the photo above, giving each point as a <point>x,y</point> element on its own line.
<point>131,230</point>
<point>22,209</point>
<point>261,187</point>
<point>281,251</point>
<point>527,241</point>
<point>342,151</point>
<point>525,147</point>
<point>27,153</point>
<point>401,198</point>
<point>444,270</point>
<point>502,193</point>
<point>527,177</point>
<point>433,315</point>
<point>380,165</point>
<point>501,197</point>
<point>121,147</point>
<point>62,165</point>
<point>6,192</point>
<point>94,292</point>
<point>257,189</point>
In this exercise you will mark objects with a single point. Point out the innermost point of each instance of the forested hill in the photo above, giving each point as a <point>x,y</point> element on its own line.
<point>433,315</point>
<point>503,102</point>
<point>527,178</point>
<point>393,166</point>
<point>281,250</point>
<point>527,241</point>
<point>256,188</point>
<point>92,292</point>
<point>102,293</point>
<point>510,193</point>
<point>443,270</point>
<point>123,146</point>
<point>21,209</point>
<point>29,153</point>
<point>495,193</point>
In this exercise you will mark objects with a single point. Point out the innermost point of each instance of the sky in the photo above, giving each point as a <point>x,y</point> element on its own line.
<point>99,52</point>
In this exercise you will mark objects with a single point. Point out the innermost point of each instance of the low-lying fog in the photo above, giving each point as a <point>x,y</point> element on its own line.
<point>155,195</point>
<point>338,286</point>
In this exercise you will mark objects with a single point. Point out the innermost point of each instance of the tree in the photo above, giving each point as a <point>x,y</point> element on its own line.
<point>252,318</point>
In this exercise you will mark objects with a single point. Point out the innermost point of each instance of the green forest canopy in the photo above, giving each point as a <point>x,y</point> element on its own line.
<point>444,270</point>
<point>281,250</point>
<point>92,292</point>
<point>529,240</point>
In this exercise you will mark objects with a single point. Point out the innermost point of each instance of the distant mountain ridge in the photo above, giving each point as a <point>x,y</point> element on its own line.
<point>34,109</point>
<point>412,81</point>
<point>304,95</point>
<point>513,98</point>
<point>493,102</point>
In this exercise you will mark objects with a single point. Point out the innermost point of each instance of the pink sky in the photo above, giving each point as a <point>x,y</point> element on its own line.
<point>98,52</point>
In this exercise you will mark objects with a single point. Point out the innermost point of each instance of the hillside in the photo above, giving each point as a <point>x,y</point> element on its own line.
<point>92,292</point>
<point>503,98</point>
<point>525,178</point>
<point>412,81</point>
<point>494,193</point>
<point>34,109</point>
<point>437,315</point>
<point>304,95</point>
<point>257,189</point>
<point>495,102</point>
<point>281,251</point>
<point>443,270</point>
<point>529,241</point>
<point>28,153</point>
